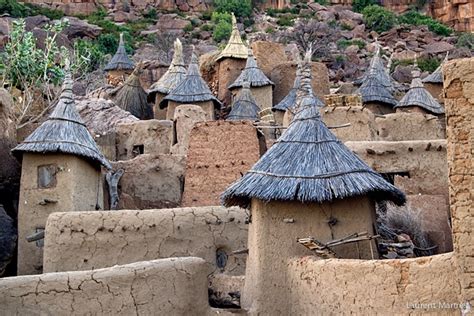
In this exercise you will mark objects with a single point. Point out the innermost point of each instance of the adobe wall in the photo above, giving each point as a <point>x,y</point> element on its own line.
<point>424,160</point>
<point>185,117</point>
<point>459,102</point>
<point>373,287</point>
<point>78,188</point>
<point>263,96</point>
<point>175,286</point>
<point>155,136</point>
<point>362,122</point>
<point>273,234</point>
<point>207,106</point>
<point>410,126</point>
<point>151,181</point>
<point>92,240</point>
<point>219,153</point>
<point>229,69</point>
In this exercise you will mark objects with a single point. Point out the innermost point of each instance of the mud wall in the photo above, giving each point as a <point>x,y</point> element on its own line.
<point>91,240</point>
<point>374,287</point>
<point>175,286</point>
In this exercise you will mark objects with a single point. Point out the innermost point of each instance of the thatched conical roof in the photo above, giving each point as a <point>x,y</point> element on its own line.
<point>120,61</point>
<point>235,47</point>
<point>378,71</point>
<point>132,97</point>
<point>64,132</point>
<point>192,89</point>
<point>173,76</point>
<point>244,107</point>
<point>309,164</point>
<point>290,99</point>
<point>417,95</point>
<point>437,75</point>
<point>252,74</point>
<point>372,90</point>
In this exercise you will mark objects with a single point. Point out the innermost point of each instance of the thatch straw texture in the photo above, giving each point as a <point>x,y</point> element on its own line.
<point>235,47</point>
<point>64,132</point>
<point>173,76</point>
<point>290,99</point>
<point>192,89</point>
<point>417,95</point>
<point>132,97</point>
<point>120,60</point>
<point>244,107</point>
<point>251,74</point>
<point>374,91</point>
<point>437,75</point>
<point>309,164</point>
<point>377,69</point>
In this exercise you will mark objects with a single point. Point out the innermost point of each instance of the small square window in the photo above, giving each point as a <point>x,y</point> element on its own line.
<point>138,150</point>
<point>47,176</point>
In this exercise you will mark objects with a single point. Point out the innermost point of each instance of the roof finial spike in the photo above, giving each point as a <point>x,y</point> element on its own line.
<point>178,53</point>
<point>234,21</point>
<point>67,83</point>
<point>121,42</point>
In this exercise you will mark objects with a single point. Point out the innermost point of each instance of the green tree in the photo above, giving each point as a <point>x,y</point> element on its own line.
<point>378,18</point>
<point>13,8</point>
<point>241,8</point>
<point>415,18</point>
<point>222,26</point>
<point>360,5</point>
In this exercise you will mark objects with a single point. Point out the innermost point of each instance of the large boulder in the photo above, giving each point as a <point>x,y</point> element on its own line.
<point>80,28</point>
<point>268,55</point>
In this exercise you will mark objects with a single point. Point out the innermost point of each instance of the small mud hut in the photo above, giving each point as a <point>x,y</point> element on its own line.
<point>418,99</point>
<point>61,171</point>
<point>192,90</point>
<point>132,97</point>
<point>307,184</point>
<point>434,82</point>
<point>170,80</point>
<point>231,62</point>
<point>260,85</point>
<point>289,100</point>
<point>244,107</point>
<point>120,66</point>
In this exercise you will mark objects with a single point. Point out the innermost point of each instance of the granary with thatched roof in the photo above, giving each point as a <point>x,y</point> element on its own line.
<point>61,172</point>
<point>260,85</point>
<point>434,82</point>
<point>307,184</point>
<point>172,77</point>
<point>245,107</point>
<point>132,97</point>
<point>418,99</point>
<point>289,100</point>
<point>120,66</point>
<point>231,62</point>
<point>192,90</point>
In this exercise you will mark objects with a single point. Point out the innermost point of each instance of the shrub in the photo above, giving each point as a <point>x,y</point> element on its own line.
<point>425,64</point>
<point>206,27</point>
<point>466,40</point>
<point>241,8</point>
<point>360,5</point>
<point>286,20</point>
<point>39,10</point>
<point>13,8</point>
<point>151,14</point>
<point>343,43</point>
<point>270,30</point>
<point>415,18</point>
<point>224,16</point>
<point>188,28</point>
<point>90,54</point>
<point>378,18</point>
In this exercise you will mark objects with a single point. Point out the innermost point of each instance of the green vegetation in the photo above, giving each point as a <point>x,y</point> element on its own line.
<point>222,26</point>
<point>415,18</point>
<point>360,5</point>
<point>19,10</point>
<point>466,40</point>
<point>343,43</point>
<point>425,64</point>
<point>286,20</point>
<point>241,8</point>
<point>274,12</point>
<point>379,19</point>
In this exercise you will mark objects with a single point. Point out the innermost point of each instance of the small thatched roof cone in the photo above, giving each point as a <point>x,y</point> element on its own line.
<point>437,75</point>
<point>132,97</point>
<point>290,99</point>
<point>192,89</point>
<point>235,47</point>
<point>309,164</point>
<point>120,61</point>
<point>63,132</point>
<point>378,72</point>
<point>252,73</point>
<point>244,107</point>
<point>372,90</point>
<point>418,96</point>
<point>173,76</point>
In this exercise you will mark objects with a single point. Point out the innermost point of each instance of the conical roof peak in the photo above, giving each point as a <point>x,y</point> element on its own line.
<point>252,73</point>
<point>290,99</point>
<point>120,61</point>
<point>245,106</point>
<point>64,131</point>
<point>235,47</point>
<point>437,75</point>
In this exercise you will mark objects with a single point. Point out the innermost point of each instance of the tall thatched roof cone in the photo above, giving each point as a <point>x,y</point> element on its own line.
<point>244,107</point>
<point>377,71</point>
<point>418,96</point>
<point>173,76</point>
<point>235,47</point>
<point>373,90</point>
<point>437,75</point>
<point>63,132</point>
<point>252,74</point>
<point>192,89</point>
<point>309,164</point>
<point>120,61</point>
<point>132,97</point>
<point>290,98</point>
